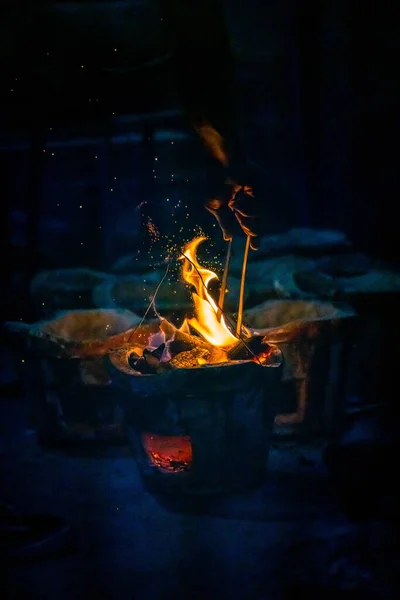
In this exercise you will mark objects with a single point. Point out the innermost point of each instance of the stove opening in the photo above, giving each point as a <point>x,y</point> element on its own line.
<point>169,453</point>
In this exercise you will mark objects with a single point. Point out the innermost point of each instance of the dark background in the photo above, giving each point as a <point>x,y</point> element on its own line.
<point>94,142</point>
<point>89,100</point>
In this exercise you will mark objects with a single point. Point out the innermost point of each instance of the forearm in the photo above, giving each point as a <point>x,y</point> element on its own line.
<point>205,73</point>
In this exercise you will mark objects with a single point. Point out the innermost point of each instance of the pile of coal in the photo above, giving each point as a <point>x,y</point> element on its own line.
<point>172,348</point>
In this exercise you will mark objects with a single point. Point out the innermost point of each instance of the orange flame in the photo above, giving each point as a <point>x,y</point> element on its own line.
<point>205,322</point>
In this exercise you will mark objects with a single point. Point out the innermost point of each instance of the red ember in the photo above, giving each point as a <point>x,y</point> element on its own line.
<point>170,453</point>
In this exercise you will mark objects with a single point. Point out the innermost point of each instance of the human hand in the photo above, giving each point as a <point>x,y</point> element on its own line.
<point>235,201</point>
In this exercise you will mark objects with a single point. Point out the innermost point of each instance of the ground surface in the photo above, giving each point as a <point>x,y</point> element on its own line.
<point>284,540</point>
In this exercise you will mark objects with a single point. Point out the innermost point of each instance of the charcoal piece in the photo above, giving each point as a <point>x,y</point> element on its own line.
<point>185,328</point>
<point>248,349</point>
<point>143,367</point>
<point>178,346</point>
<point>190,359</point>
<point>125,359</point>
<point>158,352</point>
<point>215,355</point>
<point>179,341</point>
<point>132,358</point>
<point>183,342</point>
<point>151,359</point>
<point>271,356</point>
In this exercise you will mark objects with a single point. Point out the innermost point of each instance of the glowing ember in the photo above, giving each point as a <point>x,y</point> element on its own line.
<point>205,322</point>
<point>170,453</point>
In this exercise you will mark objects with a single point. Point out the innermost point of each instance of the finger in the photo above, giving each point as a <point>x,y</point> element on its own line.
<point>254,242</point>
<point>248,224</point>
<point>249,227</point>
<point>244,204</point>
<point>247,189</point>
<point>214,204</point>
<point>224,219</point>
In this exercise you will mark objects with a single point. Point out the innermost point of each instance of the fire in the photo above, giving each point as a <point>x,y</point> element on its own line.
<point>170,453</point>
<point>205,322</point>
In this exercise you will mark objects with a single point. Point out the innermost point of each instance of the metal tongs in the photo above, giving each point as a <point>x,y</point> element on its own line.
<point>242,282</point>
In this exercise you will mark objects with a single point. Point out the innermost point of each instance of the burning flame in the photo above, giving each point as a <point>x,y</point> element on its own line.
<point>205,322</point>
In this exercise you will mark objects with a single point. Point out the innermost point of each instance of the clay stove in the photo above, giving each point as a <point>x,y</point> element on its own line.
<point>202,405</point>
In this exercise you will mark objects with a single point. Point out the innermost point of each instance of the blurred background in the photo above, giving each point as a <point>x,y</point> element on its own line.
<point>100,175</point>
<point>93,140</point>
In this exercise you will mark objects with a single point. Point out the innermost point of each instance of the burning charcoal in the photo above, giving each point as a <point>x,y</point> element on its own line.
<point>154,359</point>
<point>214,354</point>
<point>190,359</point>
<point>247,349</point>
<point>151,359</point>
<point>183,342</point>
<point>257,350</point>
<point>127,359</point>
<point>143,367</point>
<point>159,351</point>
<point>185,327</point>
<point>168,329</point>
<point>181,345</point>
<point>179,341</point>
<point>271,356</point>
<point>217,355</point>
<point>133,357</point>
